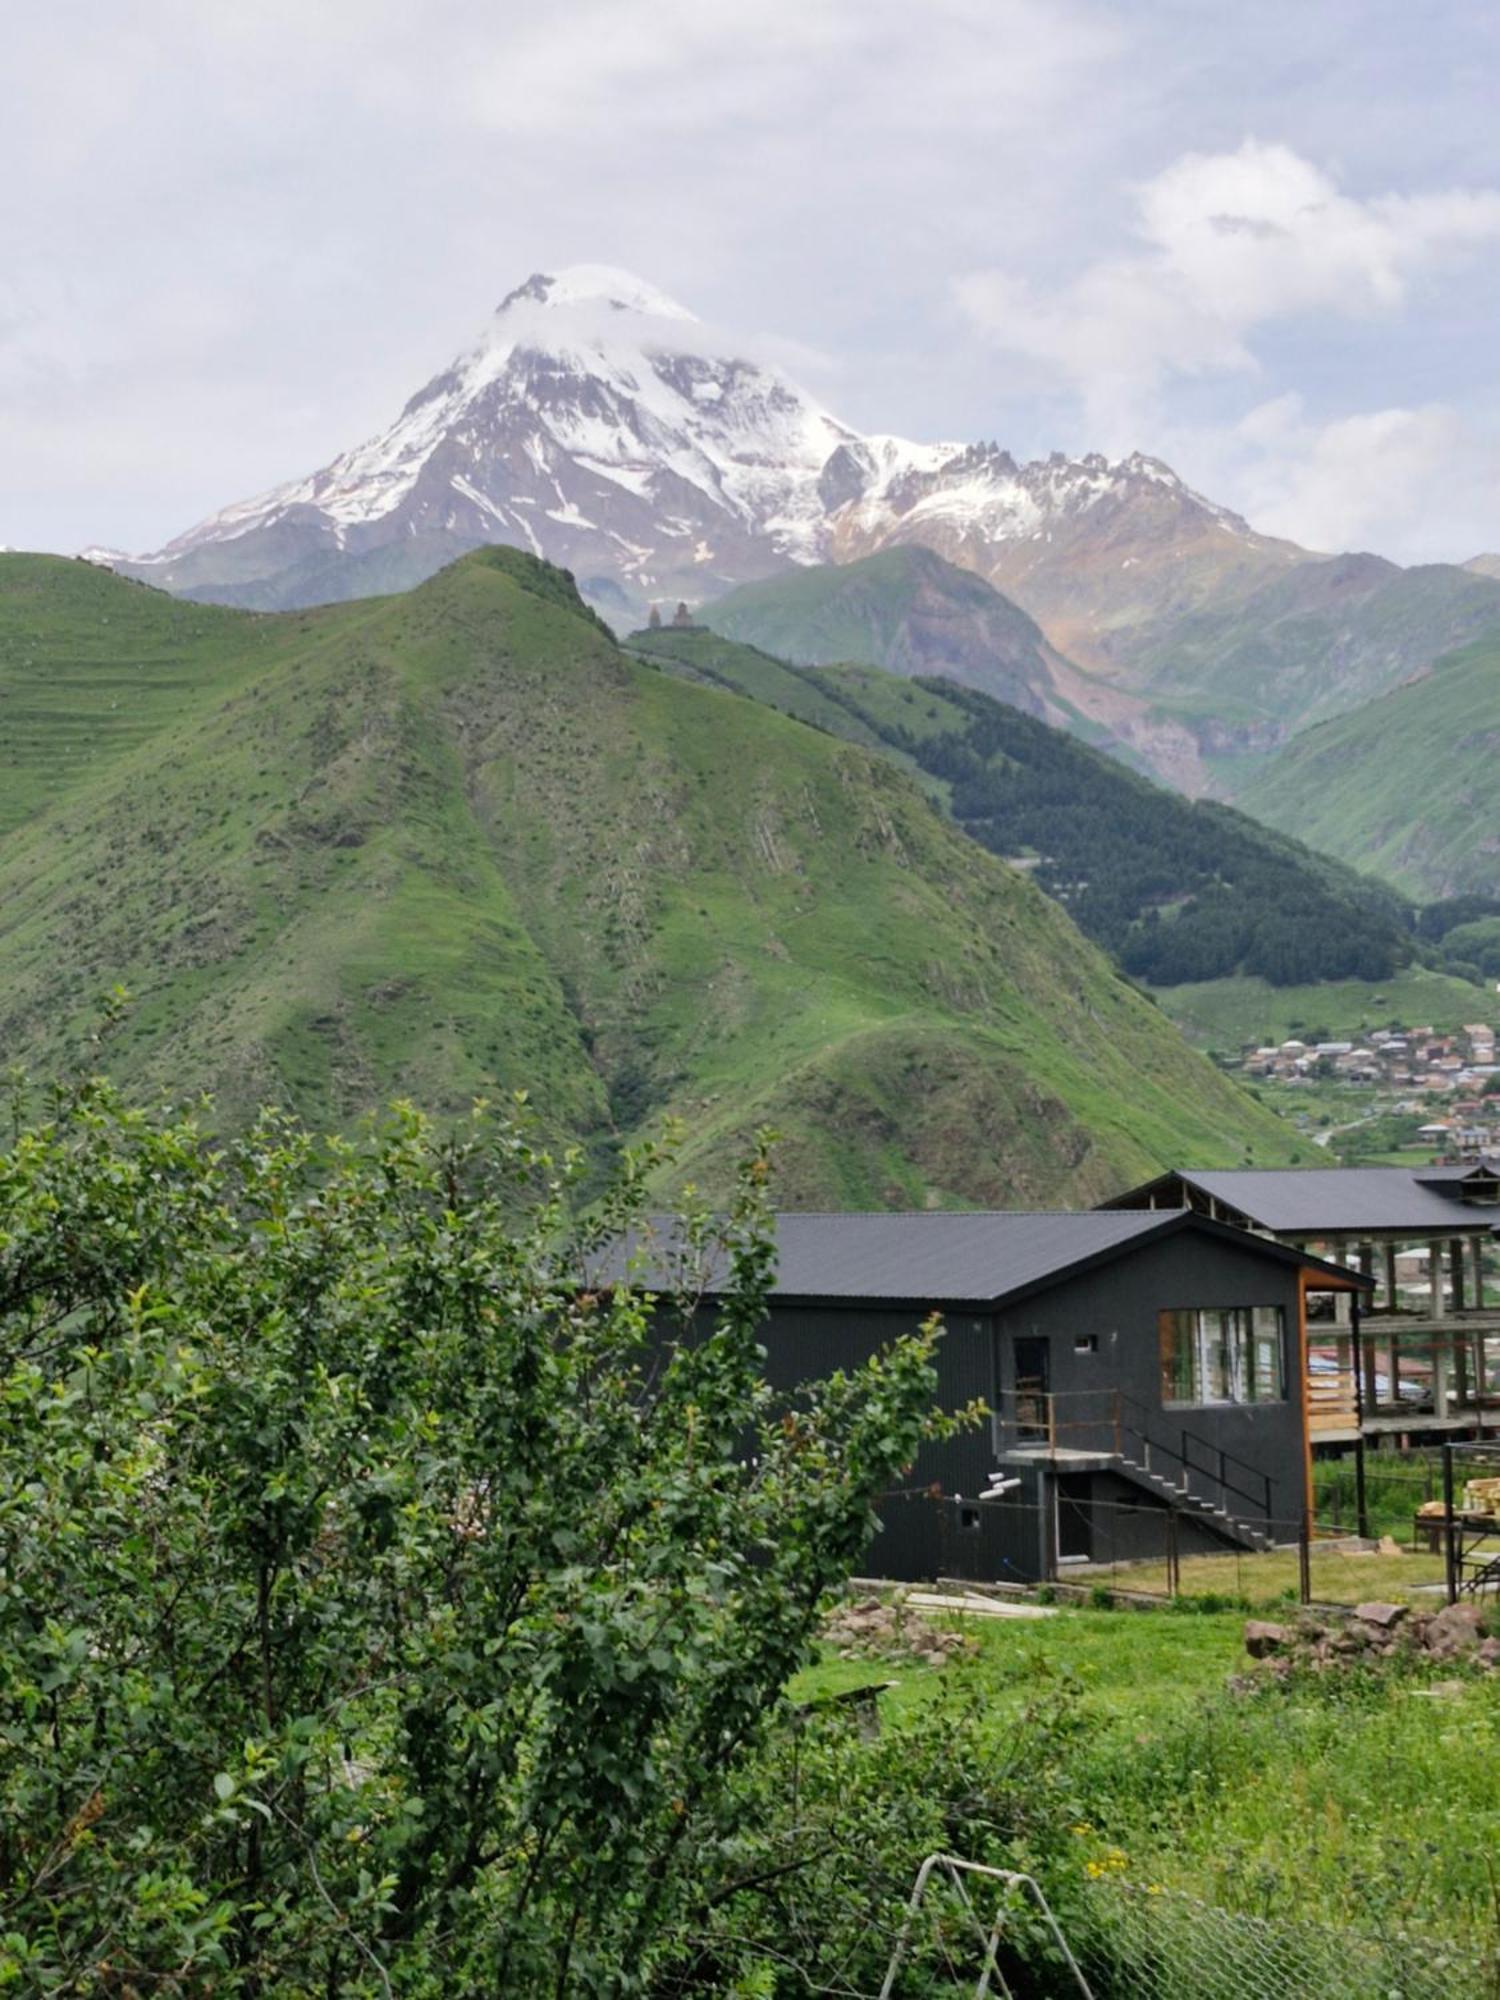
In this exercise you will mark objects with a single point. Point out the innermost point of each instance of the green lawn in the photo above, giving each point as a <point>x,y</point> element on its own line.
<point>1350,1800</point>
<point>1338,1575</point>
<point>1127,1663</point>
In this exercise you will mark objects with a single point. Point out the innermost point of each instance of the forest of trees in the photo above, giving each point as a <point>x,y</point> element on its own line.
<point>1174,889</point>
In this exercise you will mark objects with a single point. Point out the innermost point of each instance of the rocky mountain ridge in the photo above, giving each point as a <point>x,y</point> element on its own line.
<point>598,423</point>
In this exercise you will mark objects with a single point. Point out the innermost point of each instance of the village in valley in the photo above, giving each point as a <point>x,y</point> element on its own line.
<point>1395,1094</point>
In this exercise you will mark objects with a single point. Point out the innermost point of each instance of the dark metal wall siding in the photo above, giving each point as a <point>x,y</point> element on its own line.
<point>922,1538</point>
<point>805,1342</point>
<point>1119,1302</point>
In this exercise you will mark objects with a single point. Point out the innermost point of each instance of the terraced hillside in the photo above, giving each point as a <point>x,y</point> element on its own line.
<point>456,842</point>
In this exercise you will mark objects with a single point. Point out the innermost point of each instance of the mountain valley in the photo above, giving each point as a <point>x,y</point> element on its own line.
<point>1178,891</point>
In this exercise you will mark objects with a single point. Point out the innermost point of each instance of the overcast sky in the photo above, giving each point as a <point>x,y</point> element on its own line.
<point>1262,242</point>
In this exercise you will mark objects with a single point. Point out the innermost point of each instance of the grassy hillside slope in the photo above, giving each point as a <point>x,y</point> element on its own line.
<point>908,610</point>
<point>1321,639</point>
<point>1225,1014</point>
<point>1406,785</point>
<point>1175,890</point>
<point>456,842</point>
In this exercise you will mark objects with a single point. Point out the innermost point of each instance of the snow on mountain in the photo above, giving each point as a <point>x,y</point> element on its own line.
<point>599,423</point>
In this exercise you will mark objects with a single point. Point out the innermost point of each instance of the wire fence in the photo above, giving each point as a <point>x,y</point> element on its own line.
<point>1152,1943</point>
<point>1398,1485</point>
<point>1118,1939</point>
<point>1144,1550</point>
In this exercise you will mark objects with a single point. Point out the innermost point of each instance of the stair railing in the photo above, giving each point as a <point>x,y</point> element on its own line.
<point>1118,1421</point>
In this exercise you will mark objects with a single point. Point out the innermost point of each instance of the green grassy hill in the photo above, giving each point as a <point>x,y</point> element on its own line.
<point>1225,1014</point>
<point>1407,785</point>
<point>1176,890</point>
<point>1316,640</point>
<point>456,842</point>
<point>908,610</point>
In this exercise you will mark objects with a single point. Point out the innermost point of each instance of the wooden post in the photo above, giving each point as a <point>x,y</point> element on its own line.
<point>1174,1573</point>
<point>1369,1401</point>
<point>1450,1528</point>
<point>1304,1560</point>
<point>1476,1246</point>
<point>1481,1380</point>
<point>1392,1292</point>
<point>1456,1271</point>
<point>1361,1511</point>
<point>1435,1276</point>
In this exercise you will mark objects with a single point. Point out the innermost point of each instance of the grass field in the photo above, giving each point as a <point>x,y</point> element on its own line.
<point>1353,1799</point>
<point>1129,1664</point>
<point>1338,1575</point>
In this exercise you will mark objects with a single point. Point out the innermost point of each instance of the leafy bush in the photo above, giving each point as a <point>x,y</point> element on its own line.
<point>386,1604</point>
<point>805,1887</point>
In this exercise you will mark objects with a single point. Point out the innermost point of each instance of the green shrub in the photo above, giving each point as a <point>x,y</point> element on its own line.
<point>384,1606</point>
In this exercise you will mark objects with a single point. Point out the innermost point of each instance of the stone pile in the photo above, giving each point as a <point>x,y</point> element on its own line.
<point>1371,1633</point>
<point>878,1628</point>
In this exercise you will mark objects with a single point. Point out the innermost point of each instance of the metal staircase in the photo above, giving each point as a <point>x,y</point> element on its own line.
<point>1110,1430</point>
<point>1196,1506</point>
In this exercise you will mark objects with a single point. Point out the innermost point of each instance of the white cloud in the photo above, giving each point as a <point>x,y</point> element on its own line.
<point>1229,244</point>
<point>238,235</point>
<point>303,211</point>
<point>1415,479</point>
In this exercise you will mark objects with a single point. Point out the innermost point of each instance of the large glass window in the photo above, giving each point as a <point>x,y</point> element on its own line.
<point>1223,1354</point>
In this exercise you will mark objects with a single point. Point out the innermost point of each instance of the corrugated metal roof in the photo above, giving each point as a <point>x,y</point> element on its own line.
<point>931,1258</point>
<point>1312,1200</point>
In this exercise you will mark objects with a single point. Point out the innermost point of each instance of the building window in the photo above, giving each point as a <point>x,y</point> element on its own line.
<point>1229,1354</point>
<point>1085,1343</point>
<point>968,1520</point>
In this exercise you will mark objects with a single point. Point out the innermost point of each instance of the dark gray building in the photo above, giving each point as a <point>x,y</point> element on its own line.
<point>1144,1370</point>
<point>1425,1360</point>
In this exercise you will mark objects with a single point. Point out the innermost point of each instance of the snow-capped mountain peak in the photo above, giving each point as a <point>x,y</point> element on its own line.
<point>597,422</point>
<point>595,284</point>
